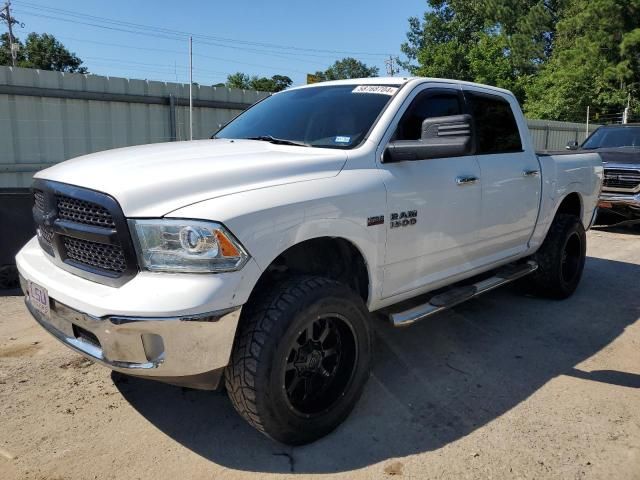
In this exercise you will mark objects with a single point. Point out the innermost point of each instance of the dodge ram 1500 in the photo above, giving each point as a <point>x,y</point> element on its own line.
<point>255,258</point>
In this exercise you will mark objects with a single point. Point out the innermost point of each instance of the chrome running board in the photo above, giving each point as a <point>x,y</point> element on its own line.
<point>456,295</point>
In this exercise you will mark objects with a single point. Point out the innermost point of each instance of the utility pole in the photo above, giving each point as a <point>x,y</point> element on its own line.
<point>587,132</point>
<point>190,88</point>
<point>6,16</point>
<point>627,111</point>
<point>391,68</point>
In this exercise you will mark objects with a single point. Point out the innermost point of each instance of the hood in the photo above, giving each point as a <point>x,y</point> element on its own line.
<point>619,156</point>
<point>153,180</point>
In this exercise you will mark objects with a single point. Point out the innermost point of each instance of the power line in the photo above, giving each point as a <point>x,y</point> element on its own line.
<point>177,52</point>
<point>183,34</point>
<point>299,54</point>
<point>185,67</point>
<point>286,56</point>
<point>162,72</point>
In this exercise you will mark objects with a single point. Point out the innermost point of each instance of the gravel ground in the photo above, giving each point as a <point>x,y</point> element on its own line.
<point>505,386</point>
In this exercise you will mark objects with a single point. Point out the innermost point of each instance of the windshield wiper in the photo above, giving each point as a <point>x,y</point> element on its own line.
<point>278,141</point>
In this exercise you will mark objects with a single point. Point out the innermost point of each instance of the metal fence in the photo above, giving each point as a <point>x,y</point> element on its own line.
<point>550,135</point>
<point>47,117</point>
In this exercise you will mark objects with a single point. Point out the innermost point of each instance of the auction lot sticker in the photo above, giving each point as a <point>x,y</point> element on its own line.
<point>380,89</point>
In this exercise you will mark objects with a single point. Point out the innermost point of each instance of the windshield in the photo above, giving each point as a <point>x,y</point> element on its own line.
<point>330,117</point>
<point>615,137</point>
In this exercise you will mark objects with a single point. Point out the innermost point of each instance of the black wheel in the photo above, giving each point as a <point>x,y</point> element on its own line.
<point>301,359</point>
<point>560,258</point>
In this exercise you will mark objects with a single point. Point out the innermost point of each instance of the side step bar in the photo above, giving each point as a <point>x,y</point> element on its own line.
<point>456,295</point>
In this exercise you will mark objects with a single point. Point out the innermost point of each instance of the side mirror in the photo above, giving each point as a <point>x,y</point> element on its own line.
<point>441,137</point>
<point>572,145</point>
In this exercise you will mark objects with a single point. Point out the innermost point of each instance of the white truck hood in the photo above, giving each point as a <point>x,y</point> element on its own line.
<point>153,180</point>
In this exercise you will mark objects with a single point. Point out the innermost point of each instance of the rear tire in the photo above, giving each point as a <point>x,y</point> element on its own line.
<point>560,259</point>
<point>301,359</point>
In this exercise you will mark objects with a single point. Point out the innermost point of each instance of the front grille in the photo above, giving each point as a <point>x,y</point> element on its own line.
<point>621,179</point>
<point>38,197</point>
<point>67,218</point>
<point>87,213</point>
<point>98,255</point>
<point>46,235</point>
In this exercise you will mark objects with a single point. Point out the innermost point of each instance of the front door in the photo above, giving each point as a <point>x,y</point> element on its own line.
<point>433,205</point>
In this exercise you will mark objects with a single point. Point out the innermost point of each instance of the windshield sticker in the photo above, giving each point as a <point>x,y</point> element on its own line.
<point>342,139</point>
<point>380,89</point>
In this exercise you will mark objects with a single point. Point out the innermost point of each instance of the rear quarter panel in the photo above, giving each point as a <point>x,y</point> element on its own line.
<point>563,174</point>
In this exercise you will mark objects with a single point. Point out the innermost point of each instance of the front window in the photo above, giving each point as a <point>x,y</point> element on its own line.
<point>329,117</point>
<point>614,137</point>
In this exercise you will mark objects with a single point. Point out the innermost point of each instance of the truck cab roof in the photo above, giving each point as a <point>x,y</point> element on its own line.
<point>400,81</point>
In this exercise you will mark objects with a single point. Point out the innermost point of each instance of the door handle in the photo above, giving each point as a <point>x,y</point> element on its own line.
<point>466,180</point>
<point>530,173</point>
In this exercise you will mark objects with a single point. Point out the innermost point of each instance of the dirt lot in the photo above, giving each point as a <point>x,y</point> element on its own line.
<point>506,386</point>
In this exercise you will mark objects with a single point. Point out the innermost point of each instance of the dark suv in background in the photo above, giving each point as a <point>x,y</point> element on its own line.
<point>619,147</point>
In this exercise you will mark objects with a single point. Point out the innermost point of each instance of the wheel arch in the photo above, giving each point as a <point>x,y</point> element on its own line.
<point>335,257</point>
<point>571,204</point>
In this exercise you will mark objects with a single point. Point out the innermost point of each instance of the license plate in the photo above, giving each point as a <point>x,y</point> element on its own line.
<point>39,298</point>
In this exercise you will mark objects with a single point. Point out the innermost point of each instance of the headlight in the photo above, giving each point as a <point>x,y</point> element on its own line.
<point>186,246</point>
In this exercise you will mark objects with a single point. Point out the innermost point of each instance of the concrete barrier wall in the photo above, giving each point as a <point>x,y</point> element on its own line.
<point>48,117</point>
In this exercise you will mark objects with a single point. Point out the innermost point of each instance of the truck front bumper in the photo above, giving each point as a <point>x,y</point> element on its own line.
<point>177,328</point>
<point>627,206</point>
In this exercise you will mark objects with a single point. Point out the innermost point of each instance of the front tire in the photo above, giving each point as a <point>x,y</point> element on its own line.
<point>560,259</point>
<point>301,359</point>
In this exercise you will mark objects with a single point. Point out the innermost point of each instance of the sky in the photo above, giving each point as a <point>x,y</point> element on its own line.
<point>286,37</point>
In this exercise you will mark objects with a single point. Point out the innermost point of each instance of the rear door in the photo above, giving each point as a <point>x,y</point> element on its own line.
<point>432,216</point>
<point>510,176</point>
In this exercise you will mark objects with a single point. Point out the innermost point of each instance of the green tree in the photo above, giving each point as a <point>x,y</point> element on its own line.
<point>281,82</point>
<point>595,62</point>
<point>347,68</point>
<point>274,84</point>
<point>41,51</point>
<point>500,42</point>
<point>440,42</point>
<point>238,80</point>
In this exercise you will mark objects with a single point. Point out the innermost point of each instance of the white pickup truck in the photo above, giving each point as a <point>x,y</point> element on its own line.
<point>256,258</point>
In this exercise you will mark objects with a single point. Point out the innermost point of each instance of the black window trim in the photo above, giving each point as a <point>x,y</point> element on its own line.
<point>468,94</point>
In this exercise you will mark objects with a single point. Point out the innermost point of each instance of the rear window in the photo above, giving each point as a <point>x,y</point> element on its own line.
<point>496,127</point>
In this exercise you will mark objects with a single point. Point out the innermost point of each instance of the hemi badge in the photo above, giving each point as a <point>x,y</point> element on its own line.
<point>377,220</point>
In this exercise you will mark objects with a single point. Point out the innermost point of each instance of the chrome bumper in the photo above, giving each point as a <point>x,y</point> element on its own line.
<point>190,351</point>
<point>618,199</point>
